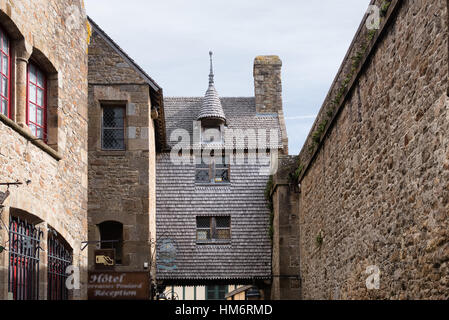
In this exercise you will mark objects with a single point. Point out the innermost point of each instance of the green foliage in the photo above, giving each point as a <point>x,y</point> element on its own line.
<point>384,8</point>
<point>2,249</point>
<point>271,227</point>
<point>299,171</point>
<point>268,188</point>
<point>356,61</point>
<point>316,137</point>
<point>319,239</point>
<point>270,205</point>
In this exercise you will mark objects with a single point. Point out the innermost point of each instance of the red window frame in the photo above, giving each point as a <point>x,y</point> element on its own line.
<point>3,36</point>
<point>42,107</point>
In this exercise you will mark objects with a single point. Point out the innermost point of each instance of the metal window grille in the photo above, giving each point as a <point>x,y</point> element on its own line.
<point>23,271</point>
<point>59,259</point>
<point>113,128</point>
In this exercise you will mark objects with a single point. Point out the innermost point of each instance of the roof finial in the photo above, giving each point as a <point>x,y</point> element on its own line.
<point>211,75</point>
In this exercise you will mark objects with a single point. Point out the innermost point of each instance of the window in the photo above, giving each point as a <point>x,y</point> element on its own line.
<point>216,292</point>
<point>213,170</point>
<point>210,229</point>
<point>210,134</point>
<point>59,259</point>
<point>113,128</point>
<point>5,70</point>
<point>37,102</point>
<point>111,236</point>
<point>24,248</point>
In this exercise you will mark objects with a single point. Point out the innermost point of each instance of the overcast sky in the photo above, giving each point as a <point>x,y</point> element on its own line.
<point>171,39</point>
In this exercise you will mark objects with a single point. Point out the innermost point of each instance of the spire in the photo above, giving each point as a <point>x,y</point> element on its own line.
<point>211,108</point>
<point>211,74</point>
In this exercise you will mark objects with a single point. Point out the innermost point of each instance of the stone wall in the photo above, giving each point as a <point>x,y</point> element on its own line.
<point>54,35</point>
<point>374,188</point>
<point>121,183</point>
<point>285,266</point>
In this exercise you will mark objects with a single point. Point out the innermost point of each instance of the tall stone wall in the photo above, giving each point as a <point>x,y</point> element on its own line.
<point>374,189</point>
<point>285,257</point>
<point>54,35</point>
<point>121,183</point>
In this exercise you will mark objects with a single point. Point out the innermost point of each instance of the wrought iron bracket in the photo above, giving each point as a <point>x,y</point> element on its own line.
<point>85,244</point>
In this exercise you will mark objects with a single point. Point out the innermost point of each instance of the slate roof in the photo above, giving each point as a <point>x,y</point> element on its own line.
<point>179,200</point>
<point>211,106</point>
<point>180,113</point>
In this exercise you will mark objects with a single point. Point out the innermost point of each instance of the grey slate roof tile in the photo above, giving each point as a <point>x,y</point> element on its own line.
<point>240,114</point>
<point>179,202</point>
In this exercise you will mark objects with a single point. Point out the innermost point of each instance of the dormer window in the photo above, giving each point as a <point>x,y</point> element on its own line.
<point>211,134</point>
<point>213,170</point>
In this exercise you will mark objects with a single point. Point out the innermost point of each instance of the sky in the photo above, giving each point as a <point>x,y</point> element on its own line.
<point>171,40</point>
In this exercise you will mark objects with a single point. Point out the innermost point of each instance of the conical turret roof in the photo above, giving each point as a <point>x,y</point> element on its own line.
<point>211,107</point>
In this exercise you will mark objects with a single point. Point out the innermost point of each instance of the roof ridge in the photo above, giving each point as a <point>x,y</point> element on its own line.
<point>124,55</point>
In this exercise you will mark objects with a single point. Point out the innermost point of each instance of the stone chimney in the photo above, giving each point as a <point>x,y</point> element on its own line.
<point>268,84</point>
<point>268,90</point>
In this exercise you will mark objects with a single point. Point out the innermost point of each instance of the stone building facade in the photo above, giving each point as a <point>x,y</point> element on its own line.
<point>43,141</point>
<point>373,205</point>
<point>126,127</point>
<point>212,220</point>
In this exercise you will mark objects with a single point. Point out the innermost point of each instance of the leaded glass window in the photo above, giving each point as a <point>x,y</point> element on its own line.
<point>113,128</point>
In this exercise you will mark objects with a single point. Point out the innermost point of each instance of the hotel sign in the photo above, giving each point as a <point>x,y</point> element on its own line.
<point>118,286</point>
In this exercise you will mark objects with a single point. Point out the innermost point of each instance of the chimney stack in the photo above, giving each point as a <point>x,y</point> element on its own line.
<point>268,84</point>
<point>268,90</point>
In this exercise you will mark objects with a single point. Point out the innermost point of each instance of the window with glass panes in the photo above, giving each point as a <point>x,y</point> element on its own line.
<point>213,228</point>
<point>113,128</point>
<point>216,292</point>
<point>211,134</point>
<point>5,71</point>
<point>37,104</point>
<point>213,170</point>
